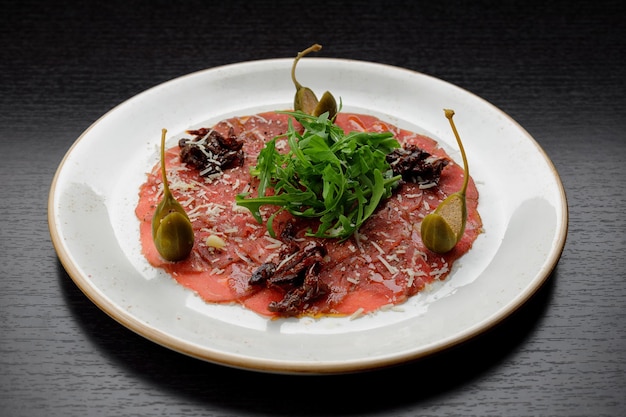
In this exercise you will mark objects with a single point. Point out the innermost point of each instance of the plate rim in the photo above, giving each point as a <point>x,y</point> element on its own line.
<point>299,367</point>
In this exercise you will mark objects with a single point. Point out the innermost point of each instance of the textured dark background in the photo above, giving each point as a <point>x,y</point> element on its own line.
<point>556,67</point>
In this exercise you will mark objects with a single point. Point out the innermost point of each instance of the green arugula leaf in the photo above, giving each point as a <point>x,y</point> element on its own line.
<point>338,178</point>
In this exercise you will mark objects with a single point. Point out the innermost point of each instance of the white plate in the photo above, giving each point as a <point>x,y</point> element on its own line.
<point>95,232</point>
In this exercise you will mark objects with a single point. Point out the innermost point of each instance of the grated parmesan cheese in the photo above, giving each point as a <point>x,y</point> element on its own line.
<point>378,248</point>
<point>214,241</point>
<point>392,269</point>
<point>358,313</point>
<point>353,280</point>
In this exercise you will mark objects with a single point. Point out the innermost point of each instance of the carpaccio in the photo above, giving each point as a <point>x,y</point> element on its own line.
<point>382,265</point>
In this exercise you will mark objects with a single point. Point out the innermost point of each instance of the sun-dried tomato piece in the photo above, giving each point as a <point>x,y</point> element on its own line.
<point>416,165</point>
<point>210,152</point>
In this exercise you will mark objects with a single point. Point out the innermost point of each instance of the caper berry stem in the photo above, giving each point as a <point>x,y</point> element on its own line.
<point>166,188</point>
<point>313,48</point>
<point>449,115</point>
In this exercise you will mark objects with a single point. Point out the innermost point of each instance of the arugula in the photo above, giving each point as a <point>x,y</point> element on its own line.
<point>327,174</point>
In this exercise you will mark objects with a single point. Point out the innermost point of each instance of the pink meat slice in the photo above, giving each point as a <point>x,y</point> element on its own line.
<point>384,264</point>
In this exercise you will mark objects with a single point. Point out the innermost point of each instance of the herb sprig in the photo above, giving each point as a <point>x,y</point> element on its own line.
<point>327,174</point>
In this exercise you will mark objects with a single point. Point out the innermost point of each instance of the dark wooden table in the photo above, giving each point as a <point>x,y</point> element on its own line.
<point>557,68</point>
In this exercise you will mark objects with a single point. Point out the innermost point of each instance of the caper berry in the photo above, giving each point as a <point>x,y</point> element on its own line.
<point>326,104</point>
<point>174,237</point>
<point>442,229</point>
<point>305,99</point>
<point>171,229</point>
